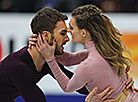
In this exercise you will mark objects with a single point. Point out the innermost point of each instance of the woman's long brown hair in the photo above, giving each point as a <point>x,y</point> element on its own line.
<point>106,37</point>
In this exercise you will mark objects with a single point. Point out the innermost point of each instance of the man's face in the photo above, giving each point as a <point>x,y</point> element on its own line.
<point>60,35</point>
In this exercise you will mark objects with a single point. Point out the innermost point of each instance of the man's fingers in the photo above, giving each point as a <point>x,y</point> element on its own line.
<point>108,94</point>
<point>130,85</point>
<point>133,88</point>
<point>129,80</point>
<point>105,91</point>
<point>93,91</point>
<point>136,89</point>
<point>110,100</point>
<point>91,94</point>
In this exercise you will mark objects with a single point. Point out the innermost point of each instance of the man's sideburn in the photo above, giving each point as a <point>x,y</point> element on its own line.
<point>57,50</point>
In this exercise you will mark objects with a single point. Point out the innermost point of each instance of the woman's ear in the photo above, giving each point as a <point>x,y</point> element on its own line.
<point>47,35</point>
<point>83,33</point>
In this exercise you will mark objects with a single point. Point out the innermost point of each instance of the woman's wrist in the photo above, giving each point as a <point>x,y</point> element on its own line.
<point>50,58</point>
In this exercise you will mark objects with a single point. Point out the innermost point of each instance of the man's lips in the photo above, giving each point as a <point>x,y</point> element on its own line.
<point>63,44</point>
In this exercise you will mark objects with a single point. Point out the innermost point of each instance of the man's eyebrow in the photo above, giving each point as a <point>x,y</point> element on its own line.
<point>64,31</point>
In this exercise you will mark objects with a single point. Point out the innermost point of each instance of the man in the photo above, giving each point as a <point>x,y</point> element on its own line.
<point>21,70</point>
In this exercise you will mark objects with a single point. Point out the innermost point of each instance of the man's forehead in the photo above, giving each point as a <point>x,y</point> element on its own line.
<point>61,26</point>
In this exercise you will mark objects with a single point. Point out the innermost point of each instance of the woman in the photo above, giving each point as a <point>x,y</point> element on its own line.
<point>104,63</point>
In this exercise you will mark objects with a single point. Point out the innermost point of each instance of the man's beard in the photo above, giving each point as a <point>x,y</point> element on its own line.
<point>57,50</point>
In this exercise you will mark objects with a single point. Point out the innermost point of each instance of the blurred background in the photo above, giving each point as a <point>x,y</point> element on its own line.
<point>15,18</point>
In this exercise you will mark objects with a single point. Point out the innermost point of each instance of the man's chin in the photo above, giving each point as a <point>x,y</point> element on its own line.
<point>59,52</point>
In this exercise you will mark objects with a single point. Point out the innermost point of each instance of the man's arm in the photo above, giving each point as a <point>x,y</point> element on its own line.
<point>23,80</point>
<point>101,97</point>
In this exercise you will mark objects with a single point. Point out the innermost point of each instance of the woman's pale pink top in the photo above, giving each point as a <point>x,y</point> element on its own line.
<point>93,71</point>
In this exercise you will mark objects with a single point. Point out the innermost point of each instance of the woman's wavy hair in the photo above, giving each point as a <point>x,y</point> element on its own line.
<point>106,37</point>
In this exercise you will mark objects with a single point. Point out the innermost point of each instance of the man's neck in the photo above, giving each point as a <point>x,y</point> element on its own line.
<point>37,58</point>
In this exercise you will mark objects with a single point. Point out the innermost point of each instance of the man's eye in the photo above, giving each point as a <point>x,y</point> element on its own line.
<point>62,33</point>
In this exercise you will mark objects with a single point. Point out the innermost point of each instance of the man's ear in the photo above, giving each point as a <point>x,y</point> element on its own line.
<point>83,33</point>
<point>47,35</point>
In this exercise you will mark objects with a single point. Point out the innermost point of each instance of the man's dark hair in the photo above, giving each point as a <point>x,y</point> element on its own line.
<point>46,20</point>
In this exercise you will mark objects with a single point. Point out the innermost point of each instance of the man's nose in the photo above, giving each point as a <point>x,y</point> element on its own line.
<point>68,30</point>
<point>66,38</point>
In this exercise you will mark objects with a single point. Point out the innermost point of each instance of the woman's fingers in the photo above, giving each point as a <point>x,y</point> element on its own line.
<point>34,36</point>
<point>32,40</point>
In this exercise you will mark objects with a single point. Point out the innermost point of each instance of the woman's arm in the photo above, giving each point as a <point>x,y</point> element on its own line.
<point>78,80</point>
<point>69,74</point>
<point>69,59</point>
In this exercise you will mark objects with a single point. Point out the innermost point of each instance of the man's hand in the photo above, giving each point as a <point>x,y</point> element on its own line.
<point>129,82</point>
<point>102,97</point>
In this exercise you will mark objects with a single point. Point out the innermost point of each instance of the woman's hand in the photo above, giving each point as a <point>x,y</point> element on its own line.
<point>33,40</point>
<point>44,48</point>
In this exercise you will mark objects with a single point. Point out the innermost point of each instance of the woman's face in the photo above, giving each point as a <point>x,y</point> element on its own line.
<point>75,31</point>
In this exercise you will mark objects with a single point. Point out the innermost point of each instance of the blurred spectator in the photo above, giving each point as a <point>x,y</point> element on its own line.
<point>67,5</point>
<point>5,5</point>
<point>20,5</point>
<point>110,5</point>
<point>26,5</point>
<point>50,3</point>
<point>128,5</point>
<point>118,5</point>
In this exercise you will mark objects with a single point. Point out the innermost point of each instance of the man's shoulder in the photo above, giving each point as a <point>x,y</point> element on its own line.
<point>15,59</point>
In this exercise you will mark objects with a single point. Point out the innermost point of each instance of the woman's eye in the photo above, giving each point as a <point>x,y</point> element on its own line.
<point>71,28</point>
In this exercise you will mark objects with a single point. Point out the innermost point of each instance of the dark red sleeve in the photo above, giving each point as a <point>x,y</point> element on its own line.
<point>22,77</point>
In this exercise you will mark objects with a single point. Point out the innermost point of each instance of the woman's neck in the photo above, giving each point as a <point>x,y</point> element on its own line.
<point>87,39</point>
